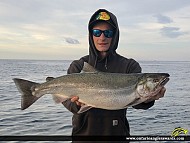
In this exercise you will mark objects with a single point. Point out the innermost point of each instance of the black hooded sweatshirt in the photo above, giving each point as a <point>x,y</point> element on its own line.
<point>100,122</point>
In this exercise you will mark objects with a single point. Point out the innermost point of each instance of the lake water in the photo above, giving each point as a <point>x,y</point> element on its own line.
<point>47,118</point>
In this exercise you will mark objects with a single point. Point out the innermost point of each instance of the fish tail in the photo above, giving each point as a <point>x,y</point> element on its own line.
<point>25,88</point>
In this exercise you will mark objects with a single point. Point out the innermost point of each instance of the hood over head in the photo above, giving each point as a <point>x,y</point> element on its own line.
<point>110,18</point>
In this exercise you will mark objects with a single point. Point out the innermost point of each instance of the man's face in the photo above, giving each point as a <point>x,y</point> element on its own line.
<point>102,43</point>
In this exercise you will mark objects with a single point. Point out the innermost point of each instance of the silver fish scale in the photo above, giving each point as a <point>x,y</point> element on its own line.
<point>98,90</point>
<point>99,80</point>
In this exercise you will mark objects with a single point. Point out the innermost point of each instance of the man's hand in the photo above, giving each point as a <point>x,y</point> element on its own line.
<point>157,96</point>
<point>75,99</point>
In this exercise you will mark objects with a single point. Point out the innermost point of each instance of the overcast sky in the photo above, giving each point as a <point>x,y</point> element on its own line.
<point>57,29</point>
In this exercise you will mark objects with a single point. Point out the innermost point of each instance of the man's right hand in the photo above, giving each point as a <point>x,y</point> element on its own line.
<point>75,99</point>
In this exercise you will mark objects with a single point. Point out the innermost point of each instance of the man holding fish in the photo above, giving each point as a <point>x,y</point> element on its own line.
<point>103,42</point>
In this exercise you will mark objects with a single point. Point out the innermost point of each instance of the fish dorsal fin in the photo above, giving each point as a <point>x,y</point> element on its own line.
<point>88,68</point>
<point>49,78</point>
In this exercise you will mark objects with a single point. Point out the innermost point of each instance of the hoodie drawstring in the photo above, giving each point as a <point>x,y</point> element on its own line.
<point>106,63</point>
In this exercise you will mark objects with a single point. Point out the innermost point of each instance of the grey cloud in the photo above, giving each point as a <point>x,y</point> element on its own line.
<point>58,11</point>
<point>71,40</point>
<point>172,32</point>
<point>134,7</point>
<point>163,19</point>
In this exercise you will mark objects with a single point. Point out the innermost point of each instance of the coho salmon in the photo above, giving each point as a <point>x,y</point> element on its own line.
<point>111,91</point>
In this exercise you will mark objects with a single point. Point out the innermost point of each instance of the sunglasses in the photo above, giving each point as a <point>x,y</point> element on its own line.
<point>107,33</point>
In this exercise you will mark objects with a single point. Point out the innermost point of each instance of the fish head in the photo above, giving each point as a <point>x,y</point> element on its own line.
<point>151,83</point>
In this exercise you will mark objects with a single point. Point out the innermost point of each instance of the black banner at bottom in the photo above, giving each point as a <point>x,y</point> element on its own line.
<point>93,138</point>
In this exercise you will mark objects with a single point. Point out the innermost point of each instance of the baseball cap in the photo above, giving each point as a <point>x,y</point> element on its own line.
<point>102,16</point>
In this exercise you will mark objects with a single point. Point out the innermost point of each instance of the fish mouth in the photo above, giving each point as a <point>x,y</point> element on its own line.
<point>160,85</point>
<point>164,81</point>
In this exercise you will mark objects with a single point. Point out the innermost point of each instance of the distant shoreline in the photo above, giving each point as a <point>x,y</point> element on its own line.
<point>75,59</point>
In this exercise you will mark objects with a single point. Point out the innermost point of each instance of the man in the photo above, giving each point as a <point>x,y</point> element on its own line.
<point>103,42</point>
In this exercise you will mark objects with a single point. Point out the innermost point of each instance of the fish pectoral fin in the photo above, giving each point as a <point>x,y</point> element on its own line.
<point>84,108</point>
<point>59,98</point>
<point>134,102</point>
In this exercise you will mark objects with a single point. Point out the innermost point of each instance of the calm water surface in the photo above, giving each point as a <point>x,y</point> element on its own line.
<point>47,118</point>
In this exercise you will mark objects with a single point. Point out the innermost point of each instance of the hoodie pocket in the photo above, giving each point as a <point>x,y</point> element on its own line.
<point>99,123</point>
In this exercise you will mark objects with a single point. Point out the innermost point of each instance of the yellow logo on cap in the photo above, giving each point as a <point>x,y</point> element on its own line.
<point>103,16</point>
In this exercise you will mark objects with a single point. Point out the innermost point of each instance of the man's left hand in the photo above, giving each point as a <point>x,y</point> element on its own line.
<point>157,96</point>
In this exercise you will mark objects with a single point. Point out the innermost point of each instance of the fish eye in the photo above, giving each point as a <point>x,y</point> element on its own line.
<point>156,80</point>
